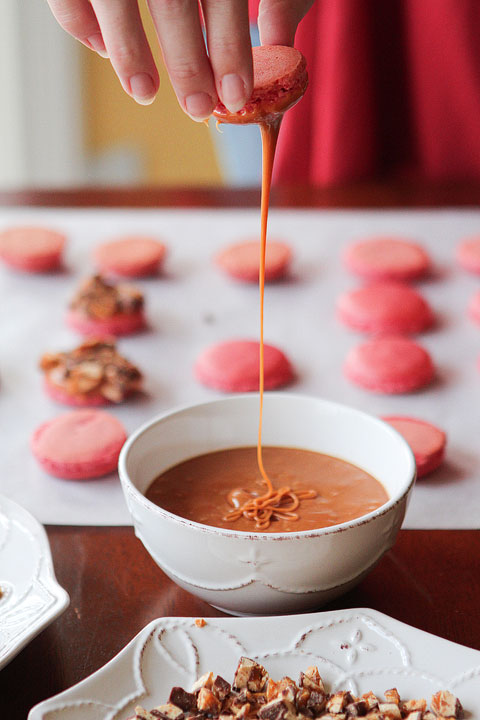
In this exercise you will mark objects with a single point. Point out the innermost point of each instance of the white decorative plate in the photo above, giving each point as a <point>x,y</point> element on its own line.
<point>30,595</point>
<point>358,650</point>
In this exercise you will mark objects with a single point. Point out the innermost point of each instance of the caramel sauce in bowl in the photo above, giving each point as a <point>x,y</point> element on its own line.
<point>249,572</point>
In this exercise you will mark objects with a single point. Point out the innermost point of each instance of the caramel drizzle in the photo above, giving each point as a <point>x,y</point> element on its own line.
<point>274,504</point>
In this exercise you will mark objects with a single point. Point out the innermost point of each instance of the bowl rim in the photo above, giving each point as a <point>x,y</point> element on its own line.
<point>129,487</point>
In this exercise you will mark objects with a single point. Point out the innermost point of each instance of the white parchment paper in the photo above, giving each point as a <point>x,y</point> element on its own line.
<point>192,304</point>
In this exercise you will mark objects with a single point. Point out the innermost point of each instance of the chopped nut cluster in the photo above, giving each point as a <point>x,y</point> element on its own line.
<point>100,299</point>
<point>93,368</point>
<point>254,694</point>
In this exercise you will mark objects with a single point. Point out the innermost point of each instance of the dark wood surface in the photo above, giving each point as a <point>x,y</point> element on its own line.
<point>401,193</point>
<point>430,579</point>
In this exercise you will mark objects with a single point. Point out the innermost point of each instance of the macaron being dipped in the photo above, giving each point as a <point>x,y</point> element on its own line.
<point>233,366</point>
<point>387,258</point>
<point>130,256</point>
<point>242,260</point>
<point>279,81</point>
<point>426,441</point>
<point>385,307</point>
<point>389,364</point>
<point>32,249</point>
<point>79,445</point>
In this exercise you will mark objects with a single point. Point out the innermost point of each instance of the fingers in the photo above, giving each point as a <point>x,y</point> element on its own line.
<point>228,39</point>
<point>179,31</point>
<point>78,19</point>
<point>128,48</point>
<point>278,20</point>
<point>200,79</point>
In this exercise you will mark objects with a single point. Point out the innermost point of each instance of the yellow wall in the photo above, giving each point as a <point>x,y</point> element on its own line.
<point>174,149</point>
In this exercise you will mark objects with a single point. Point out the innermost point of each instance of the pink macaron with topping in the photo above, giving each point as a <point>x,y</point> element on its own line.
<point>385,307</point>
<point>242,260</point>
<point>130,256</point>
<point>426,441</point>
<point>32,249</point>
<point>387,258</point>
<point>233,366</point>
<point>279,81</point>
<point>389,364</point>
<point>79,445</point>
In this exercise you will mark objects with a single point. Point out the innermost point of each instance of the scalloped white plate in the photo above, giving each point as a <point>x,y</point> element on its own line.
<point>31,597</point>
<point>354,649</point>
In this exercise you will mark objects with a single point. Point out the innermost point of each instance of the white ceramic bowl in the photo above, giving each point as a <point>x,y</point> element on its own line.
<point>263,573</point>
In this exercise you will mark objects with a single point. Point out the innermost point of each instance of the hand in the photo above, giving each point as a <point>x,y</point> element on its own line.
<point>114,29</point>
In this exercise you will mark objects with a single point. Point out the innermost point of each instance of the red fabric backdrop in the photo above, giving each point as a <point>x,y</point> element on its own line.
<point>394,90</point>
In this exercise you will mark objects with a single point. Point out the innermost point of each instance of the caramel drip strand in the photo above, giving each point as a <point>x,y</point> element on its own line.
<point>274,504</point>
<point>269,132</point>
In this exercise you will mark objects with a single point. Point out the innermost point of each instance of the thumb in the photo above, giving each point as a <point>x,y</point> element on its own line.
<point>278,20</point>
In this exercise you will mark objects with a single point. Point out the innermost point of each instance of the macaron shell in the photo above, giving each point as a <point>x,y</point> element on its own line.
<point>233,366</point>
<point>385,307</point>
<point>130,256</point>
<point>79,445</point>
<point>276,67</point>
<point>474,307</point>
<point>120,324</point>
<point>390,364</point>
<point>60,395</point>
<point>242,260</point>
<point>32,249</point>
<point>468,254</point>
<point>387,258</point>
<point>426,441</point>
<point>280,79</point>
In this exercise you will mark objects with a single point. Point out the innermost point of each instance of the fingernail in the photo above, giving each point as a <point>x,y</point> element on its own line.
<point>142,88</point>
<point>233,92</point>
<point>96,42</point>
<point>199,106</point>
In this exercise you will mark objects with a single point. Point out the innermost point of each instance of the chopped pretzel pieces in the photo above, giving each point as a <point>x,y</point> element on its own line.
<point>253,695</point>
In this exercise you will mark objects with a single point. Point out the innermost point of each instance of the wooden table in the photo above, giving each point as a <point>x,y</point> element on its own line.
<point>430,579</point>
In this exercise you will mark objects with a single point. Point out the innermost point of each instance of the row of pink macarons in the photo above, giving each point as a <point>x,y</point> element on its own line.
<point>391,309</point>
<point>41,249</point>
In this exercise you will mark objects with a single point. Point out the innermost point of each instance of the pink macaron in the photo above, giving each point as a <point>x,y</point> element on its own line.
<point>468,254</point>
<point>426,441</point>
<point>387,258</point>
<point>389,364</point>
<point>118,324</point>
<point>279,81</point>
<point>233,366</point>
<point>32,249</point>
<point>130,256</point>
<point>242,260</point>
<point>385,307</point>
<point>79,445</point>
<point>473,309</point>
